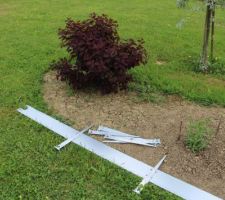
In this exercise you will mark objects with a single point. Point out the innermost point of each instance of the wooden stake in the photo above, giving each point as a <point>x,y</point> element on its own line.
<point>179,136</point>
<point>218,126</point>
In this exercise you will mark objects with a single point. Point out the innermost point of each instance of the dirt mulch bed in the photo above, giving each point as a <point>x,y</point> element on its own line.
<point>122,111</point>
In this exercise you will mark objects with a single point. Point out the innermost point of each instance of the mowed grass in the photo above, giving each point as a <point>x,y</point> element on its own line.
<point>30,167</point>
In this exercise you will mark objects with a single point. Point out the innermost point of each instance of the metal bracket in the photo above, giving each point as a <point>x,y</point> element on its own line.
<point>115,136</point>
<point>148,177</point>
<point>114,132</point>
<point>108,134</point>
<point>64,143</point>
<point>140,141</point>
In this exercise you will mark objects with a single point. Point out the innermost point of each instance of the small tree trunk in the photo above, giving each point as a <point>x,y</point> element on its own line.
<point>212,33</point>
<point>204,56</point>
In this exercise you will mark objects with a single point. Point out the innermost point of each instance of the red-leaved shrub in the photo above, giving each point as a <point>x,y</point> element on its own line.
<point>97,56</point>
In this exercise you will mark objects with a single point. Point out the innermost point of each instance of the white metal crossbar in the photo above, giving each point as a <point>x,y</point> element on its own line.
<point>64,143</point>
<point>149,176</point>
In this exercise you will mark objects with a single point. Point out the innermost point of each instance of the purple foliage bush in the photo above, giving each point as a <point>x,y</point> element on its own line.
<point>97,56</point>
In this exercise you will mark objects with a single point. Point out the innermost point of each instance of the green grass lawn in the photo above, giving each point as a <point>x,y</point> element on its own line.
<point>30,167</point>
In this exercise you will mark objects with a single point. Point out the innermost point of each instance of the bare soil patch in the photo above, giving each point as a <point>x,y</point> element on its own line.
<point>122,111</point>
<point>5,9</point>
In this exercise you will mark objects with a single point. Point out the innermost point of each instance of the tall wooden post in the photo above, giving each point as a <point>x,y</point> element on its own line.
<point>204,56</point>
<point>213,31</point>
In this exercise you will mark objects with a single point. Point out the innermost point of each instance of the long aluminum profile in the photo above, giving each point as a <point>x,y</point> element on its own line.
<point>134,140</point>
<point>161,179</point>
<point>115,132</point>
<point>114,141</point>
<point>106,133</point>
<point>118,138</point>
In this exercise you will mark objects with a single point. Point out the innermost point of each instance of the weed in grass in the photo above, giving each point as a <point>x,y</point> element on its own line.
<point>69,90</point>
<point>147,93</point>
<point>198,135</point>
<point>216,66</point>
